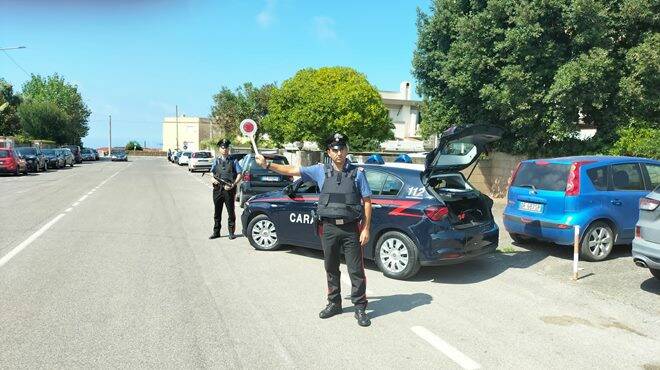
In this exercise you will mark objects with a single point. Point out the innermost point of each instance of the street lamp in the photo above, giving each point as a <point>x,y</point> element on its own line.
<point>12,48</point>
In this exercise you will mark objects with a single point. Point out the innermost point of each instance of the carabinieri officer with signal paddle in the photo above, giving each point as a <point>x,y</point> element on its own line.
<point>345,200</point>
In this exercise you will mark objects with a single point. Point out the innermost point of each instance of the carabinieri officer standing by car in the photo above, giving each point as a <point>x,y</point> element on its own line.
<point>343,188</point>
<point>226,176</point>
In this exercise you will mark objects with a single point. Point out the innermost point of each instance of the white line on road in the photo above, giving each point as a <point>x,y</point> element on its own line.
<point>68,209</point>
<point>75,204</point>
<point>29,240</point>
<point>82,198</point>
<point>447,349</point>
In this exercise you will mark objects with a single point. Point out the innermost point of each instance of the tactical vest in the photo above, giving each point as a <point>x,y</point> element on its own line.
<point>340,198</point>
<point>225,170</point>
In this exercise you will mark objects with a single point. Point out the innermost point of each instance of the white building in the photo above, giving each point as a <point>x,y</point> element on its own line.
<point>404,113</point>
<point>189,133</point>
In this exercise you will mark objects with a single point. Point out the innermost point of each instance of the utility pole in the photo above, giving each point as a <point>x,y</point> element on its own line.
<point>177,127</point>
<point>110,137</point>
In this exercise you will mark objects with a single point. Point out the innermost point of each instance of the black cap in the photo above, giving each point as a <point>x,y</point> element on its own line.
<point>224,143</point>
<point>336,141</point>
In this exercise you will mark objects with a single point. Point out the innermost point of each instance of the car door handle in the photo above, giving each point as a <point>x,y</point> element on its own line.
<point>616,202</point>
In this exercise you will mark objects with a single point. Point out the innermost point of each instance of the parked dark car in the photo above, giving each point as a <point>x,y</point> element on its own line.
<point>11,162</point>
<point>69,159</point>
<point>87,154</point>
<point>119,155</point>
<point>257,180</point>
<point>55,158</point>
<point>422,215</point>
<point>75,150</point>
<point>36,160</point>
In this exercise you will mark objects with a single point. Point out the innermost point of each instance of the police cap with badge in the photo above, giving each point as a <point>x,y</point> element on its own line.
<point>336,141</point>
<point>224,143</point>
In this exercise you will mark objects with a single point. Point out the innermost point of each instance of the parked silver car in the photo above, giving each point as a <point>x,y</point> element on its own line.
<point>646,245</point>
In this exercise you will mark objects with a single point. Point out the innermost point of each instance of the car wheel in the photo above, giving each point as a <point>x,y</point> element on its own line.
<point>396,255</point>
<point>262,234</point>
<point>520,239</point>
<point>655,273</point>
<point>597,242</point>
<point>16,173</point>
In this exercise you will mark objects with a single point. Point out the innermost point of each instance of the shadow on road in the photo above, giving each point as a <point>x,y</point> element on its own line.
<point>381,306</point>
<point>651,285</point>
<point>566,252</point>
<point>480,269</point>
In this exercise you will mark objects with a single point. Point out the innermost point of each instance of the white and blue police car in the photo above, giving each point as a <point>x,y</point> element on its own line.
<point>423,215</point>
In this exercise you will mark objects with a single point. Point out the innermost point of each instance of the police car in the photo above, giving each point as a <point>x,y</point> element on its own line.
<point>423,215</point>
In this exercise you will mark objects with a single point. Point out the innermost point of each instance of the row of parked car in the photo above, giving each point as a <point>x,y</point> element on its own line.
<point>256,180</point>
<point>22,160</point>
<point>426,215</point>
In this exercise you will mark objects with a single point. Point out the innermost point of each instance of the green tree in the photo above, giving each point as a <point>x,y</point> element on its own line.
<point>316,102</point>
<point>56,91</point>
<point>231,107</point>
<point>9,120</point>
<point>540,68</point>
<point>43,120</point>
<point>133,145</point>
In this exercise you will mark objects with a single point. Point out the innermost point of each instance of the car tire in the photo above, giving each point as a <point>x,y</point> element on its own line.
<point>396,255</point>
<point>597,242</point>
<point>16,173</point>
<point>262,234</point>
<point>655,273</point>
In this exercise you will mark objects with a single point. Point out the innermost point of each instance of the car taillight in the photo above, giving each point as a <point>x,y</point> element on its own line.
<point>648,204</point>
<point>573,182</point>
<point>638,231</point>
<point>436,213</point>
<point>247,177</point>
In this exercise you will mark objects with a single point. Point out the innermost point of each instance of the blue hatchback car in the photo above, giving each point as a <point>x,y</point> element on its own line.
<point>422,215</point>
<point>548,197</point>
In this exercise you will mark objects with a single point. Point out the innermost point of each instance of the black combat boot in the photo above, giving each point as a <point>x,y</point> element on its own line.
<point>361,316</point>
<point>330,310</point>
<point>214,236</point>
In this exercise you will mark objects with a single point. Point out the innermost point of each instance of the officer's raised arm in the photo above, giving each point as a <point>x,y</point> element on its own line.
<point>283,169</point>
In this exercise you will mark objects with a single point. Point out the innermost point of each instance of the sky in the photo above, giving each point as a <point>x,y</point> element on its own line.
<point>138,59</point>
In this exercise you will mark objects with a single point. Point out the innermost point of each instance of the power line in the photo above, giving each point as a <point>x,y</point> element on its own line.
<point>17,65</point>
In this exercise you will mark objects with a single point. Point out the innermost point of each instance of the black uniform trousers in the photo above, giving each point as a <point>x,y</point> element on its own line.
<point>337,238</point>
<point>222,197</point>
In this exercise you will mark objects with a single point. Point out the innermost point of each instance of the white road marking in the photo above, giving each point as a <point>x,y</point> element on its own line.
<point>68,209</point>
<point>82,198</point>
<point>447,349</point>
<point>75,204</point>
<point>29,240</point>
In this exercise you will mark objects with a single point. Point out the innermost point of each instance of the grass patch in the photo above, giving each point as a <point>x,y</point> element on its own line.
<point>506,249</point>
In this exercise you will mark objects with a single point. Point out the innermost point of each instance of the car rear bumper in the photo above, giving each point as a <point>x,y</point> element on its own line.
<point>549,230</point>
<point>646,251</point>
<point>456,246</point>
<point>200,166</point>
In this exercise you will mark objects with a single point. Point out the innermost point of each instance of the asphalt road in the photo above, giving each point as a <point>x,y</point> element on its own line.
<point>109,265</point>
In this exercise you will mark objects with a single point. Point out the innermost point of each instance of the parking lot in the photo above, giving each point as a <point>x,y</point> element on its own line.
<point>109,265</point>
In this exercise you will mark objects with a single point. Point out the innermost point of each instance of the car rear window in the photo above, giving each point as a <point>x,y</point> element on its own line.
<point>542,175</point>
<point>276,160</point>
<point>28,151</point>
<point>4,154</point>
<point>202,155</point>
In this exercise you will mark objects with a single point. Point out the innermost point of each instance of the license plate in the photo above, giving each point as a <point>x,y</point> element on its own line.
<point>203,161</point>
<point>270,178</point>
<point>531,207</point>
